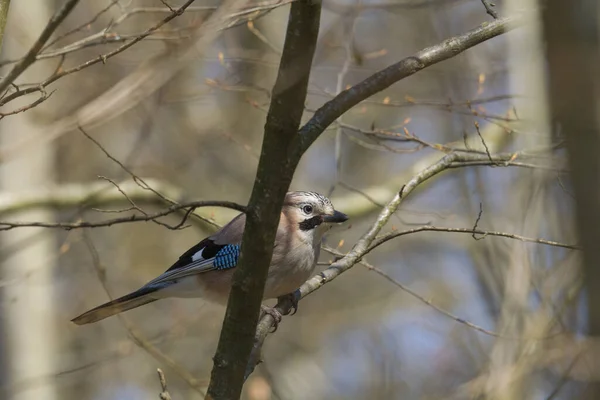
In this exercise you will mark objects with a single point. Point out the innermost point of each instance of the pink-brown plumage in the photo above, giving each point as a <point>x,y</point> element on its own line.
<point>305,217</point>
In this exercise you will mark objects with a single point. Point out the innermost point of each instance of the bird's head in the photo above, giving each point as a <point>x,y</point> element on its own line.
<point>313,212</point>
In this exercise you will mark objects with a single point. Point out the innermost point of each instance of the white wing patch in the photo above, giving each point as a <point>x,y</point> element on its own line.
<point>198,255</point>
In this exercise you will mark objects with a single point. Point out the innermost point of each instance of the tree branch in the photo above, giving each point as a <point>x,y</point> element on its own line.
<point>22,65</point>
<point>5,226</point>
<point>164,394</point>
<point>381,80</point>
<point>489,8</point>
<point>367,241</point>
<point>417,296</point>
<point>281,152</point>
<point>275,171</point>
<point>101,58</point>
<point>134,334</point>
<point>428,228</point>
<point>70,195</point>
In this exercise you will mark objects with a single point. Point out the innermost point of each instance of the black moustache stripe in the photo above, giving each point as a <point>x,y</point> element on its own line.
<point>311,223</point>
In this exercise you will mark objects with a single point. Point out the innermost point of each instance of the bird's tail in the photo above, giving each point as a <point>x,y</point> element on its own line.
<point>132,300</point>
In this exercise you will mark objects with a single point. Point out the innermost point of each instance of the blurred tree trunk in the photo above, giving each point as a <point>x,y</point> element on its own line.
<point>4,5</point>
<point>525,63</point>
<point>27,271</point>
<point>571,29</point>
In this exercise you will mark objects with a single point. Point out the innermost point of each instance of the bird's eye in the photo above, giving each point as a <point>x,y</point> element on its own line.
<point>307,209</point>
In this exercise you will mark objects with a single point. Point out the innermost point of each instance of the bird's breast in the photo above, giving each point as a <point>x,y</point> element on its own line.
<point>290,267</point>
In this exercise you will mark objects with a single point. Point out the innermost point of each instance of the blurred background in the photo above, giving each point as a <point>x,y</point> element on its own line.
<point>186,114</point>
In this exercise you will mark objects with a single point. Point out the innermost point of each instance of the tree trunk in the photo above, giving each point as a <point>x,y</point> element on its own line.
<point>27,268</point>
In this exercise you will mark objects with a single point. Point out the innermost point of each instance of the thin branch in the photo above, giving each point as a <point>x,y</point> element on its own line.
<point>136,337</point>
<point>164,394</point>
<point>135,178</point>
<point>489,8</point>
<point>408,290</point>
<point>29,59</point>
<point>101,58</point>
<point>470,231</point>
<point>256,32</point>
<point>70,195</point>
<point>370,240</point>
<point>341,77</point>
<point>80,27</point>
<point>449,48</point>
<point>487,150</point>
<point>266,323</point>
<point>43,97</point>
<point>506,163</point>
<point>108,34</point>
<point>5,225</point>
<point>479,215</point>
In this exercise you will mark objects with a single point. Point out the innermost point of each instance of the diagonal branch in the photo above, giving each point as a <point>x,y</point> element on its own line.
<point>489,8</point>
<point>381,80</point>
<point>29,59</point>
<point>417,296</point>
<point>366,242</point>
<point>101,58</point>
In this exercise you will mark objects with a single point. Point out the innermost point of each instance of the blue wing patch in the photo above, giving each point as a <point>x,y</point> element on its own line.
<point>227,257</point>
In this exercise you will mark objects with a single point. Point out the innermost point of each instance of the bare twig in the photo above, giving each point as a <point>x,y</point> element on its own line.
<point>408,290</point>
<point>489,8</point>
<point>101,58</point>
<point>341,77</point>
<point>134,334</point>
<point>341,103</point>
<point>479,215</point>
<point>54,22</point>
<point>167,5</point>
<point>43,97</point>
<point>69,195</point>
<point>78,28</point>
<point>256,32</point>
<point>164,394</point>
<point>428,228</point>
<point>487,150</point>
<point>363,194</point>
<point>135,178</point>
<point>108,34</point>
<point>506,163</point>
<point>4,226</point>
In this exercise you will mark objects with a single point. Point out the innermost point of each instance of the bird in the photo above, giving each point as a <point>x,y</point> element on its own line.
<point>205,270</point>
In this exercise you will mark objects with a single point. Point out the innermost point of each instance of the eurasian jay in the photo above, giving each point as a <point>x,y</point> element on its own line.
<point>206,269</point>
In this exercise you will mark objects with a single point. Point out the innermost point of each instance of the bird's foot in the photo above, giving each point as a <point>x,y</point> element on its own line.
<point>273,312</point>
<point>293,297</point>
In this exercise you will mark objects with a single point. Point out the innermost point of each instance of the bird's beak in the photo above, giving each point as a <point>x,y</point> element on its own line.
<point>336,217</point>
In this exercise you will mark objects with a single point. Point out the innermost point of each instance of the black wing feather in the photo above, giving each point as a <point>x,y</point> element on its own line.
<point>210,250</point>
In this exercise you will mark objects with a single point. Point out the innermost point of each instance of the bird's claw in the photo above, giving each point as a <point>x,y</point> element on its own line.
<point>273,312</point>
<point>293,299</point>
<point>276,314</point>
